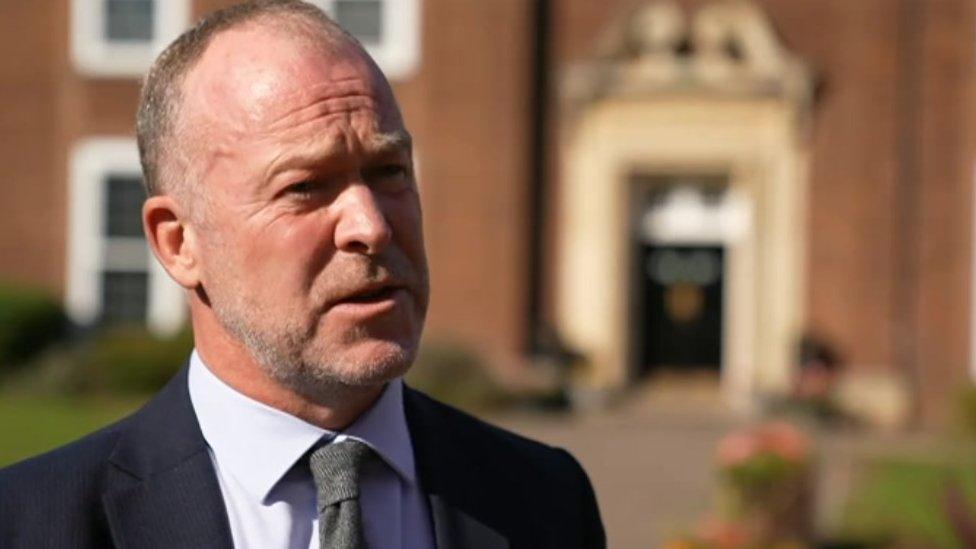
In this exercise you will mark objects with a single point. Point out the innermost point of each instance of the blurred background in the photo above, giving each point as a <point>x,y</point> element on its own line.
<point>721,250</point>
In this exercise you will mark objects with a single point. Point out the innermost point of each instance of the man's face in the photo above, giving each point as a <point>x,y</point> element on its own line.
<point>310,230</point>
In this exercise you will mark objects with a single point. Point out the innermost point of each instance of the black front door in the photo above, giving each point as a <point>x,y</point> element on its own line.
<point>678,307</point>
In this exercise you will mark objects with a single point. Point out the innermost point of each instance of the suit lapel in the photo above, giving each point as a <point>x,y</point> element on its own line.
<point>456,529</point>
<point>166,493</point>
<point>181,507</point>
<point>460,497</point>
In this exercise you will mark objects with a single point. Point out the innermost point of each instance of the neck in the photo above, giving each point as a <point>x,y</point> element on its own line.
<point>233,364</point>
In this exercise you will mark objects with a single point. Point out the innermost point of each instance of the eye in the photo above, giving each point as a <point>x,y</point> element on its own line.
<point>306,190</point>
<point>390,178</point>
<point>301,188</point>
<point>386,171</point>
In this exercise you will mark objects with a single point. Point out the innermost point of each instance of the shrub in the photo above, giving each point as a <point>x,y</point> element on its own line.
<point>764,492</point>
<point>455,375</point>
<point>966,410</point>
<point>30,321</point>
<point>128,359</point>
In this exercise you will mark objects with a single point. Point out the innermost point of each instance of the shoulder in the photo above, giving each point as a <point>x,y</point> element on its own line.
<point>452,425</point>
<point>550,484</point>
<point>65,483</point>
<point>71,466</point>
<point>495,452</point>
<point>63,464</point>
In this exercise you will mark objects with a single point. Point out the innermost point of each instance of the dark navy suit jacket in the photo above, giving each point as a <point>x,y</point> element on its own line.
<point>147,481</point>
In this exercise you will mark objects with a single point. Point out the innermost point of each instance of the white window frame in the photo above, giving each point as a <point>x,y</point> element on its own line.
<point>398,54</point>
<point>88,248</point>
<point>94,55</point>
<point>972,288</point>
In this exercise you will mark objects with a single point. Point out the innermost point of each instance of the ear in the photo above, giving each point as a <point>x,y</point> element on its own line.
<point>171,239</point>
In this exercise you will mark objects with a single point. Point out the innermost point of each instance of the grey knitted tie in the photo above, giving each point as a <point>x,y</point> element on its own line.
<point>335,469</point>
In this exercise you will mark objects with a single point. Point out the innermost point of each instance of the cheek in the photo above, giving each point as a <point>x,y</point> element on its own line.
<point>291,251</point>
<point>404,217</point>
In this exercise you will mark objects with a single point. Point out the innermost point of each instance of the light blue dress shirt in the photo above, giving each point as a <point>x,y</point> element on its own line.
<point>271,502</point>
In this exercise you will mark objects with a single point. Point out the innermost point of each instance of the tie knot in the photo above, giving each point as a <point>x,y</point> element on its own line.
<point>336,468</point>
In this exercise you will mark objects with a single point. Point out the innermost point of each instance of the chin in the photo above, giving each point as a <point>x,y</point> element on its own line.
<point>367,363</point>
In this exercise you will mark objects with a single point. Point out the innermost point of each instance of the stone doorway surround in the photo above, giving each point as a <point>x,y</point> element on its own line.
<point>669,93</point>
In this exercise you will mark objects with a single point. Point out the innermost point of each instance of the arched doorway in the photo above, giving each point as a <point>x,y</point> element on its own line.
<point>681,220</point>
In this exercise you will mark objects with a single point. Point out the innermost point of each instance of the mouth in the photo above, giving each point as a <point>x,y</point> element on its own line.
<point>371,301</point>
<point>372,295</point>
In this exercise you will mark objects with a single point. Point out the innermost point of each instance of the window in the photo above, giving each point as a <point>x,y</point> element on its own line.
<point>363,18</point>
<point>122,37</point>
<point>389,30</point>
<point>129,20</point>
<point>125,195</point>
<point>124,297</point>
<point>112,276</point>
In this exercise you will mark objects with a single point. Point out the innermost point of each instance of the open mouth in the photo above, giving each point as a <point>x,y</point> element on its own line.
<point>379,294</point>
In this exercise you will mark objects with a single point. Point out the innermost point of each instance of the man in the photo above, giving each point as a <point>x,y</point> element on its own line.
<point>282,198</point>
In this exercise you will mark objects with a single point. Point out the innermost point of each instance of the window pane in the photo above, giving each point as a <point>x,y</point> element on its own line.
<point>362,18</point>
<point>124,209</point>
<point>125,297</point>
<point>129,20</point>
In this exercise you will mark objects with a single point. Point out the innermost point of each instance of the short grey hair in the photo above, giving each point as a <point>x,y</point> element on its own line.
<point>160,99</point>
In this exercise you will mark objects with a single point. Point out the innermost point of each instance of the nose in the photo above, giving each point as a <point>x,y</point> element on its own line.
<point>362,227</point>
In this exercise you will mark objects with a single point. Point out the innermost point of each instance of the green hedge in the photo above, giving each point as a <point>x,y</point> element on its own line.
<point>128,359</point>
<point>30,321</point>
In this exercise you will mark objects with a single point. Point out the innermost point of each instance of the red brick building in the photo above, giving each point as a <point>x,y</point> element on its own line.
<point>664,184</point>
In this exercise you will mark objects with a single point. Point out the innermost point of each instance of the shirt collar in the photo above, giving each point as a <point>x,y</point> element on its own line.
<point>258,444</point>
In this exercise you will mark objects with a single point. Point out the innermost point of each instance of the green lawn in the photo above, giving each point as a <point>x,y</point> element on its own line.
<point>908,502</point>
<point>30,425</point>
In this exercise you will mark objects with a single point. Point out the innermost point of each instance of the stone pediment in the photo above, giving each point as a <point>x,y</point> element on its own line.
<point>726,48</point>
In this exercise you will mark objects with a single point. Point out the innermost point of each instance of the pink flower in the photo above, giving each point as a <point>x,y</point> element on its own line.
<point>784,440</point>
<point>778,438</point>
<point>737,448</point>
<point>724,534</point>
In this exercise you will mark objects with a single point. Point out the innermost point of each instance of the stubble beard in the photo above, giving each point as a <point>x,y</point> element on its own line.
<point>292,353</point>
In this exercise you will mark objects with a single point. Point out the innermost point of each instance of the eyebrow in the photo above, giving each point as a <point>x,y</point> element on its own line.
<point>396,140</point>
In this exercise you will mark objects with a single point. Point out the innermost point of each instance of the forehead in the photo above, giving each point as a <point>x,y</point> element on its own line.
<point>256,78</point>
